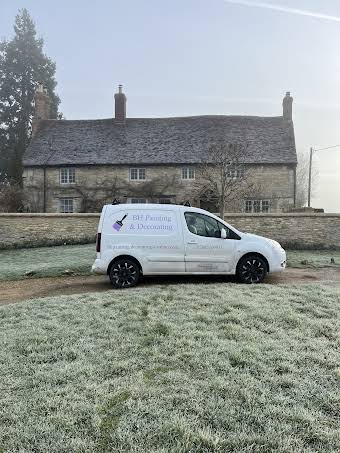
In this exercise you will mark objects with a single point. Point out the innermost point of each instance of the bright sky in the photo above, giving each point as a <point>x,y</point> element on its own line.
<point>193,57</point>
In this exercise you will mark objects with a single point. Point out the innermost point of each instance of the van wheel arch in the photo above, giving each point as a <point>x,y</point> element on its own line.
<point>131,258</point>
<point>253,254</point>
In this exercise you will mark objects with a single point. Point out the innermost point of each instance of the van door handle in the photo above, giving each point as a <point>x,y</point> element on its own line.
<point>192,242</point>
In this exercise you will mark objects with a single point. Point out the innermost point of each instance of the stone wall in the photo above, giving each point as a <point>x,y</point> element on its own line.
<point>20,230</point>
<point>298,230</point>
<point>318,231</point>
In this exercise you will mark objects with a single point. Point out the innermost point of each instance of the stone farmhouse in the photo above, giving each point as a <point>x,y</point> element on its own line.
<point>79,165</point>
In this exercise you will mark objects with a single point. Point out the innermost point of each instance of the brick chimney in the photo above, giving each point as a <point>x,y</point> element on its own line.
<point>287,105</point>
<point>42,107</point>
<point>120,105</point>
<point>42,103</point>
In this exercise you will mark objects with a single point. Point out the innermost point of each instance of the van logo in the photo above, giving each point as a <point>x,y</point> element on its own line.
<point>119,223</point>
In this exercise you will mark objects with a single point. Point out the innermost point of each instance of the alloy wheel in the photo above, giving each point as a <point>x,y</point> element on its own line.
<point>252,270</point>
<point>124,274</point>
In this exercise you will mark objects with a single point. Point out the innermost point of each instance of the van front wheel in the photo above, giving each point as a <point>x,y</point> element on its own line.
<point>251,269</point>
<point>124,273</point>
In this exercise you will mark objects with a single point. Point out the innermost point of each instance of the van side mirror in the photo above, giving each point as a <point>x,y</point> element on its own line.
<point>223,234</point>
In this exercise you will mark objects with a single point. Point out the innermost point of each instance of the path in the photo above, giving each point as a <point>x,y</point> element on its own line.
<point>16,291</point>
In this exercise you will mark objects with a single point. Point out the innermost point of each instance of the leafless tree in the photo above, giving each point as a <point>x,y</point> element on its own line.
<point>302,172</point>
<point>223,179</point>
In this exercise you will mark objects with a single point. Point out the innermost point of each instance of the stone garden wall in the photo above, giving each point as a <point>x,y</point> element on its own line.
<point>305,231</point>
<point>19,230</point>
<point>318,231</point>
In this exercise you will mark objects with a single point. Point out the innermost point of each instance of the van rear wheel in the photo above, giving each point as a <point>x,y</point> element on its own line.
<point>124,273</point>
<point>251,269</point>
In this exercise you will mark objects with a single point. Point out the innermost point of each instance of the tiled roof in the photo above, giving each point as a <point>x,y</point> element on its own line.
<point>159,140</point>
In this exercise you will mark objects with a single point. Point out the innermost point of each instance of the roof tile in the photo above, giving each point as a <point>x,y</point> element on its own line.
<point>159,140</point>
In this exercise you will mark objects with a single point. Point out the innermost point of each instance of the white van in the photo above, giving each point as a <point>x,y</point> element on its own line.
<point>163,239</point>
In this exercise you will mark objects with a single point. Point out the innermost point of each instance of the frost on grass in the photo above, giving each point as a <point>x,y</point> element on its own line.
<point>313,258</point>
<point>173,368</point>
<point>77,259</point>
<point>46,261</point>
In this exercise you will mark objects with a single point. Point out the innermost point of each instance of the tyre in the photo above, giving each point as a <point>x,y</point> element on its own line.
<point>124,273</point>
<point>251,269</point>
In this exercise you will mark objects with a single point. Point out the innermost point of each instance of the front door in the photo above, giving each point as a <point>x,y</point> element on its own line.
<point>205,250</point>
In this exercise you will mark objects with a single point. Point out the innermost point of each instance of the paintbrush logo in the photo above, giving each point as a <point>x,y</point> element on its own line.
<point>119,223</point>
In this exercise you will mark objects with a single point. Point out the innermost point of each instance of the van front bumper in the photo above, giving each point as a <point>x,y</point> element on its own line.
<point>99,267</point>
<point>279,261</point>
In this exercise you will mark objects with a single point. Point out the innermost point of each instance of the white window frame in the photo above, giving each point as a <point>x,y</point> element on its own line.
<point>188,173</point>
<point>235,173</point>
<point>66,201</point>
<point>139,172</point>
<point>67,175</point>
<point>257,206</point>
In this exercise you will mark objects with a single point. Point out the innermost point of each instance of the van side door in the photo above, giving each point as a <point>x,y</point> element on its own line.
<point>205,250</point>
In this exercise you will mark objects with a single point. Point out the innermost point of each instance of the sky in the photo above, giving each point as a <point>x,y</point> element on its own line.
<point>194,57</point>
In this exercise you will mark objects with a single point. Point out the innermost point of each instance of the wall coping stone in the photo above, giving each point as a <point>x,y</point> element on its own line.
<point>283,214</point>
<point>232,214</point>
<point>44,215</point>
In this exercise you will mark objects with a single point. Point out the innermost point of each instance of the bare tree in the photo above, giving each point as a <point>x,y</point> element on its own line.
<point>302,172</point>
<point>223,178</point>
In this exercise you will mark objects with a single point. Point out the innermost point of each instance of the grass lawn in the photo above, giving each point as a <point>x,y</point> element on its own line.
<point>53,261</point>
<point>46,261</point>
<point>313,258</point>
<point>187,368</point>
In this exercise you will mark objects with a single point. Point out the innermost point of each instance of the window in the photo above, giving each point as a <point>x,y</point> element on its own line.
<point>265,206</point>
<point>249,205</point>
<point>137,174</point>
<point>165,200</point>
<point>66,205</point>
<point>188,173</point>
<point>235,173</point>
<point>67,176</point>
<point>206,226</point>
<point>257,206</point>
<point>138,200</point>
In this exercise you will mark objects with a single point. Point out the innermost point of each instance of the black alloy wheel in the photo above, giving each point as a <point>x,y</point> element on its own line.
<point>124,273</point>
<point>251,269</point>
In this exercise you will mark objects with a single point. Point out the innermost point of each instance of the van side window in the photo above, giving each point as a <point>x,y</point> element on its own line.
<point>206,226</point>
<point>202,225</point>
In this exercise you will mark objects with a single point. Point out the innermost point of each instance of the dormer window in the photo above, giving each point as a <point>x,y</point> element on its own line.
<point>67,176</point>
<point>137,174</point>
<point>188,173</point>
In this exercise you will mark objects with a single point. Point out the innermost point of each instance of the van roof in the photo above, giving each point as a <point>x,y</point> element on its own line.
<point>146,205</point>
